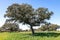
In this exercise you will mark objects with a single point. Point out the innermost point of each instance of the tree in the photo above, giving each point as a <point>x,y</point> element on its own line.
<point>49,27</point>
<point>45,27</point>
<point>53,27</point>
<point>10,27</point>
<point>24,13</point>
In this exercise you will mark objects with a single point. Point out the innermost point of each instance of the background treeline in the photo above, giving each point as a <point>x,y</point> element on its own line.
<point>14,27</point>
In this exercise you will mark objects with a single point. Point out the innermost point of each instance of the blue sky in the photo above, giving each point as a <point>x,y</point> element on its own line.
<point>52,5</point>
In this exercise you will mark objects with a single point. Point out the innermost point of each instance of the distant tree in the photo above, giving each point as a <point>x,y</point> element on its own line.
<point>24,13</point>
<point>50,27</point>
<point>53,27</point>
<point>10,27</point>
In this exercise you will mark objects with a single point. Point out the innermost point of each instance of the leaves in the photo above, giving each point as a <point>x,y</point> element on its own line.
<point>26,14</point>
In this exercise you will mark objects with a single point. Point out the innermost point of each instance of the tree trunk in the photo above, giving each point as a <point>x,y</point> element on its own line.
<point>32,30</point>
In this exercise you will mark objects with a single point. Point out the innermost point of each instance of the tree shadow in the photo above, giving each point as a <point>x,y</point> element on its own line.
<point>49,34</point>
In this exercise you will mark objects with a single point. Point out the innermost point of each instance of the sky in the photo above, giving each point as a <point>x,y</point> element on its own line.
<point>52,5</point>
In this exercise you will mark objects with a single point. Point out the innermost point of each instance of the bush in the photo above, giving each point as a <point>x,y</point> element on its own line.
<point>9,27</point>
<point>51,27</point>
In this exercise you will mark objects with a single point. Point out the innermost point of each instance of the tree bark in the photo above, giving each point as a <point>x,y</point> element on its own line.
<point>32,30</point>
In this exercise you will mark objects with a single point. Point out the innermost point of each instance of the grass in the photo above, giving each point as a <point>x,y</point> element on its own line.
<point>28,36</point>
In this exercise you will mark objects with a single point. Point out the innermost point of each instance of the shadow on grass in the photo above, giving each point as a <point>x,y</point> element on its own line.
<point>49,34</point>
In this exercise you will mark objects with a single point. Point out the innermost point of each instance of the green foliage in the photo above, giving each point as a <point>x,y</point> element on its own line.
<point>26,14</point>
<point>9,27</point>
<point>50,27</point>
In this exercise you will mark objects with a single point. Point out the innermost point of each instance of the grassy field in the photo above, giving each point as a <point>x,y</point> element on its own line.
<point>28,36</point>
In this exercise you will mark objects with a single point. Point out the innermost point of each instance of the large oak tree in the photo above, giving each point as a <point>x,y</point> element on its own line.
<point>26,14</point>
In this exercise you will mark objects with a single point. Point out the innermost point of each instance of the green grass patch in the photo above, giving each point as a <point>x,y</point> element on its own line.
<point>28,36</point>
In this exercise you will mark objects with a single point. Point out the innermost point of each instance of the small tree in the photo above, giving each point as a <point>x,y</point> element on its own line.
<point>50,27</point>
<point>24,13</point>
<point>10,27</point>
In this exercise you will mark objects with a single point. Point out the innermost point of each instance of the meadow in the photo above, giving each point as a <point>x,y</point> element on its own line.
<point>28,36</point>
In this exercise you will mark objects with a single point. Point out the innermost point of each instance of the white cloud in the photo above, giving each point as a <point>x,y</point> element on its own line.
<point>2,21</point>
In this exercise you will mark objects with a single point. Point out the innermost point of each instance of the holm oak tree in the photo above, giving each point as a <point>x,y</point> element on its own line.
<point>26,14</point>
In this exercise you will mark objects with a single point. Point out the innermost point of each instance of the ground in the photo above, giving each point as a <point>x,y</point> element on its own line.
<point>27,36</point>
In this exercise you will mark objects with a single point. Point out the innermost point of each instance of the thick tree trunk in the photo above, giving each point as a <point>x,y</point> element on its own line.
<point>32,30</point>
